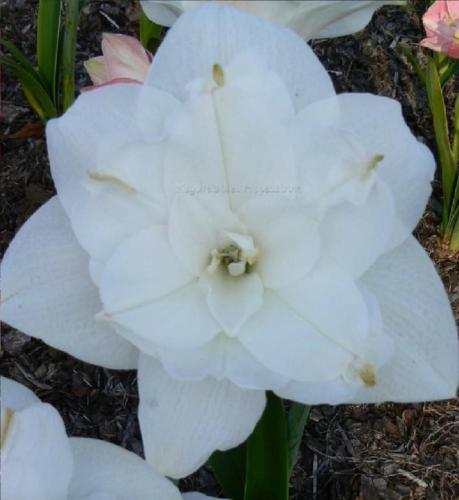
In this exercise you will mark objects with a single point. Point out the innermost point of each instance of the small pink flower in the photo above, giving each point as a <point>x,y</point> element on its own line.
<point>441,23</point>
<point>124,59</point>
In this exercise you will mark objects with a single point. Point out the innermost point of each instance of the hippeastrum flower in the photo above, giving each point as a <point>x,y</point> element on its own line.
<point>39,461</point>
<point>310,19</point>
<point>124,60</point>
<point>245,229</point>
<point>441,23</point>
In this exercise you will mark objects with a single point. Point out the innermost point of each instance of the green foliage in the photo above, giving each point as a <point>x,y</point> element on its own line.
<point>296,420</point>
<point>151,34</point>
<point>447,150</point>
<point>229,469</point>
<point>48,27</point>
<point>438,73</point>
<point>267,469</point>
<point>49,87</point>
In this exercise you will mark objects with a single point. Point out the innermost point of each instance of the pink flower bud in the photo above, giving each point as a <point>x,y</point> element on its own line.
<point>441,23</point>
<point>124,59</point>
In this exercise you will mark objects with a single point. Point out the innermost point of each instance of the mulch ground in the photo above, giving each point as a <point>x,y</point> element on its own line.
<point>361,452</point>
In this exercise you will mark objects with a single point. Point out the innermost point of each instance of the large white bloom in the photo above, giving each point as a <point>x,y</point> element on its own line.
<point>244,228</point>
<point>309,18</point>
<point>39,461</point>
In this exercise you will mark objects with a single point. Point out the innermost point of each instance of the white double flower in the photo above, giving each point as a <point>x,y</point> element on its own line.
<point>318,293</point>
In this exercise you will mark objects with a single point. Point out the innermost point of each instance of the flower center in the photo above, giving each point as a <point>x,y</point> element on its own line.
<point>236,257</point>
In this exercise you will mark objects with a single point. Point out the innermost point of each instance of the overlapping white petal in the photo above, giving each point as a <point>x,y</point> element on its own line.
<point>214,34</point>
<point>39,462</point>
<point>107,471</point>
<point>311,19</point>
<point>36,460</point>
<point>417,315</point>
<point>406,166</point>
<point>47,292</point>
<point>206,415</point>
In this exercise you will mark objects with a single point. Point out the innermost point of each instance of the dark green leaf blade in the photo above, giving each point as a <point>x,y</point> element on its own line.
<point>437,107</point>
<point>267,474</point>
<point>229,469</point>
<point>48,25</point>
<point>296,420</point>
<point>33,89</point>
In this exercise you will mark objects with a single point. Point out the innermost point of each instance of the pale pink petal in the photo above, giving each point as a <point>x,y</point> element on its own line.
<point>124,57</point>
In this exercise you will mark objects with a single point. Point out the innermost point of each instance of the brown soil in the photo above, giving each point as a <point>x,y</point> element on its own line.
<point>348,452</point>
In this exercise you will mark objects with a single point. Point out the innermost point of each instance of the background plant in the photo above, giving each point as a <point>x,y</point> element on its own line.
<point>49,86</point>
<point>436,74</point>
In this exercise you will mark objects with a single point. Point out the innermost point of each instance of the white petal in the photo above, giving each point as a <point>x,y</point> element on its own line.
<point>333,165</point>
<point>179,320</point>
<point>353,237</point>
<point>106,469</point>
<point>332,303</point>
<point>82,145</point>
<point>418,317</point>
<point>36,458</point>
<point>289,247</point>
<point>233,138</point>
<point>47,292</point>
<point>142,269</point>
<point>311,18</point>
<point>408,166</point>
<point>98,122</point>
<point>182,423</point>
<point>327,19</point>
<point>376,351</point>
<point>222,358</point>
<point>163,13</point>
<point>232,300</point>
<point>283,339</point>
<point>15,395</point>
<point>215,34</point>
<point>331,392</point>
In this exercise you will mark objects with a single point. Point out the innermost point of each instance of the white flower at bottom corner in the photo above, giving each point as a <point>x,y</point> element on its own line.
<point>245,229</point>
<point>310,19</point>
<point>39,461</point>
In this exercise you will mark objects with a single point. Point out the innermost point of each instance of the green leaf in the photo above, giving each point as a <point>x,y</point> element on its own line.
<point>72,14</point>
<point>454,244</point>
<point>229,469</point>
<point>48,25</point>
<point>267,474</point>
<point>447,164</point>
<point>296,420</point>
<point>456,131</point>
<point>21,58</point>
<point>33,89</point>
<point>150,33</point>
<point>451,69</point>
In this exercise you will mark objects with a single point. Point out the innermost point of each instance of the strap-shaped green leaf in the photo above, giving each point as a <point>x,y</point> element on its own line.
<point>267,473</point>
<point>21,59</point>
<point>437,107</point>
<point>72,14</point>
<point>229,469</point>
<point>33,89</point>
<point>296,420</point>
<point>48,26</point>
